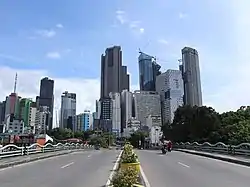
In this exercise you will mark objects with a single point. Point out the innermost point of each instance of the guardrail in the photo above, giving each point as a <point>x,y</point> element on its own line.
<point>242,149</point>
<point>12,150</point>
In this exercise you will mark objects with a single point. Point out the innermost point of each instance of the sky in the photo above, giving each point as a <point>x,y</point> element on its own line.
<point>64,39</point>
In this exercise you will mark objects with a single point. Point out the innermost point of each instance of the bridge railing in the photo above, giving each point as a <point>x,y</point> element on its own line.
<point>242,149</point>
<point>12,150</point>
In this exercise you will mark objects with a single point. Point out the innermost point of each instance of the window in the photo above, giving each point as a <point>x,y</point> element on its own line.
<point>176,82</point>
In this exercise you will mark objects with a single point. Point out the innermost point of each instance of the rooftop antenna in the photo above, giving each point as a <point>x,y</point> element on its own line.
<point>15,83</point>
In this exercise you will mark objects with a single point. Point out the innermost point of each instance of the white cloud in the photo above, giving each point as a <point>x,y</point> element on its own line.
<point>59,25</point>
<point>182,15</point>
<point>46,33</point>
<point>121,16</point>
<point>163,41</point>
<point>53,55</point>
<point>87,90</point>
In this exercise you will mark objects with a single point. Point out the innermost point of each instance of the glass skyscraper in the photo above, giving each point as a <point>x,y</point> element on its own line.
<point>148,70</point>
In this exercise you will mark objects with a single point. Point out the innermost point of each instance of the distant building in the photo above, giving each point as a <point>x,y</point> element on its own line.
<point>46,97</point>
<point>146,103</point>
<point>148,70</point>
<point>191,75</point>
<point>42,120</point>
<point>12,105</point>
<point>114,76</point>
<point>170,87</point>
<point>2,111</point>
<point>153,120</point>
<point>106,114</point>
<point>13,125</point>
<point>86,120</point>
<point>126,107</point>
<point>68,108</point>
<point>116,113</point>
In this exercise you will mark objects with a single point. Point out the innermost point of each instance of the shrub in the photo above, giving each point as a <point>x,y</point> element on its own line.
<point>125,178</point>
<point>129,158</point>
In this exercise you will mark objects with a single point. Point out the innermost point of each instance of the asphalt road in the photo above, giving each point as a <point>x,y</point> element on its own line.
<point>178,169</point>
<point>79,169</point>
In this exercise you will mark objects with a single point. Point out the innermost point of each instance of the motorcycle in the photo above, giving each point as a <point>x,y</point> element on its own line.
<point>163,150</point>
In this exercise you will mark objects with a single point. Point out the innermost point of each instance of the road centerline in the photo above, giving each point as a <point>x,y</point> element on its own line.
<point>67,165</point>
<point>183,165</point>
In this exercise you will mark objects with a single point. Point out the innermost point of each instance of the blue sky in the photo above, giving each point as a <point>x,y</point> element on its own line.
<point>65,39</point>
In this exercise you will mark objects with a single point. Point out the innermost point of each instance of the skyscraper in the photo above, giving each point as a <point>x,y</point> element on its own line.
<point>170,87</point>
<point>46,97</point>
<point>148,70</point>
<point>191,77</point>
<point>68,108</point>
<point>114,77</point>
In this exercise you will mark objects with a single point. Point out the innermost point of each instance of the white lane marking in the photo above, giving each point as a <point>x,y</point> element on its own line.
<point>67,165</point>
<point>144,177</point>
<point>35,161</point>
<point>216,160</point>
<point>184,165</point>
<point>114,169</point>
<point>89,156</point>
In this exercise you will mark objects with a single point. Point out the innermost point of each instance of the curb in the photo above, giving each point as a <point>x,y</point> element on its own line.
<point>241,162</point>
<point>15,163</point>
<point>108,183</point>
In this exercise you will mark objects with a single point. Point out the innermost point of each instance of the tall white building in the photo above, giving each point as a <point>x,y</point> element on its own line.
<point>116,112</point>
<point>68,108</point>
<point>126,107</point>
<point>41,119</point>
<point>170,87</point>
<point>146,103</point>
<point>32,118</point>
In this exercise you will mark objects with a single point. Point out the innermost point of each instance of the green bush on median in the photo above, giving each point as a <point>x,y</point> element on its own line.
<point>125,178</point>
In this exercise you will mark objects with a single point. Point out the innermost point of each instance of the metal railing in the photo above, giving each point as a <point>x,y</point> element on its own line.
<point>12,150</point>
<point>242,149</point>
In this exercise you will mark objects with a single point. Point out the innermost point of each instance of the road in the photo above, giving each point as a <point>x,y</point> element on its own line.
<point>89,168</point>
<point>181,169</point>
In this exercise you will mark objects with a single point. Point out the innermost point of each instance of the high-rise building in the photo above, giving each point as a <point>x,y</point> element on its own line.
<point>86,120</point>
<point>2,112</point>
<point>170,87</point>
<point>68,108</point>
<point>126,108</point>
<point>42,120</point>
<point>12,105</point>
<point>148,70</point>
<point>105,122</point>
<point>191,77</point>
<point>146,103</point>
<point>46,97</point>
<point>116,113</point>
<point>114,77</point>
<point>24,110</point>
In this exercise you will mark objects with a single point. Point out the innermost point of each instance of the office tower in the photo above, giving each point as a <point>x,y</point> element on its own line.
<point>2,112</point>
<point>68,108</point>
<point>86,120</point>
<point>191,77</point>
<point>146,103</point>
<point>126,108</point>
<point>114,76</point>
<point>12,105</point>
<point>24,110</point>
<point>42,119</point>
<point>116,113</point>
<point>106,115</point>
<point>170,87</point>
<point>46,97</point>
<point>148,70</point>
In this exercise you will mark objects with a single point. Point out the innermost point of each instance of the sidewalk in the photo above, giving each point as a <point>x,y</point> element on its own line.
<point>7,162</point>
<point>229,158</point>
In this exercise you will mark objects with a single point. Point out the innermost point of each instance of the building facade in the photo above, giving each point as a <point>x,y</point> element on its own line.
<point>170,87</point>
<point>46,97</point>
<point>12,105</point>
<point>191,76</point>
<point>86,120</point>
<point>116,113</point>
<point>68,108</point>
<point>2,111</point>
<point>114,77</point>
<point>148,70</point>
<point>126,107</point>
<point>42,120</point>
<point>146,103</point>
<point>106,114</point>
